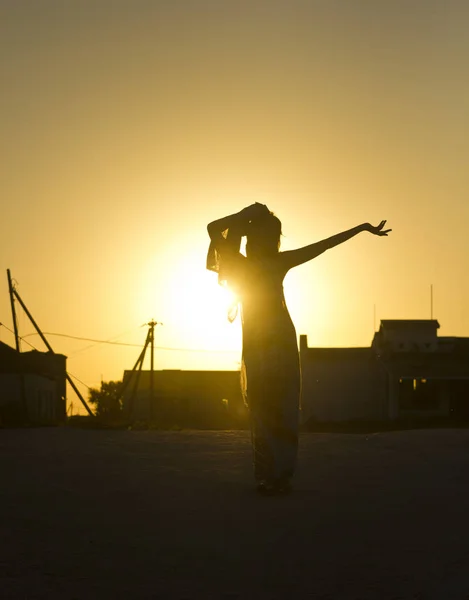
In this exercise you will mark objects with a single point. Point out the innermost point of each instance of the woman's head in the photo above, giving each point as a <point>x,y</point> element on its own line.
<point>263,236</point>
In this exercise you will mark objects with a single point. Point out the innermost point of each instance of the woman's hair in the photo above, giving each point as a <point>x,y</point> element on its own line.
<point>263,236</point>
<point>263,239</point>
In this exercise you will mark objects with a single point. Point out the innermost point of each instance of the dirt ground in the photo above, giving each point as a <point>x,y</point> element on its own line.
<point>146,514</point>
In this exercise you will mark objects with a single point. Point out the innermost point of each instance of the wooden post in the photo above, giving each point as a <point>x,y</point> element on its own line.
<point>152,364</point>
<point>11,289</point>
<point>138,365</point>
<point>49,347</point>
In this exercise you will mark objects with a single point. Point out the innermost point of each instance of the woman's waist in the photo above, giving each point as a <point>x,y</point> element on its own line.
<point>266,312</point>
<point>260,331</point>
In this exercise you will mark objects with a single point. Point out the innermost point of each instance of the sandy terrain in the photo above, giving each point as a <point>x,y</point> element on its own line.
<point>136,514</point>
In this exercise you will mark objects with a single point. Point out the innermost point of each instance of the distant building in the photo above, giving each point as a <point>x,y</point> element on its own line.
<point>407,372</point>
<point>342,384</point>
<point>186,398</point>
<point>32,386</point>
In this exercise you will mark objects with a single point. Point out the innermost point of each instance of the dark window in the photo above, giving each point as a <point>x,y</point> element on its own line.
<point>419,394</point>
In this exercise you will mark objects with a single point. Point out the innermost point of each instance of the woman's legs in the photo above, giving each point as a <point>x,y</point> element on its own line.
<point>274,432</point>
<point>273,394</point>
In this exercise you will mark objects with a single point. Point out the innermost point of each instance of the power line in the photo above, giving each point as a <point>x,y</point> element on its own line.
<point>11,331</point>
<point>71,374</point>
<point>79,380</point>
<point>109,340</point>
<point>84,339</point>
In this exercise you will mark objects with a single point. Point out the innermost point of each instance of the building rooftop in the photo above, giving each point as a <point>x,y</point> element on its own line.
<point>409,323</point>
<point>6,349</point>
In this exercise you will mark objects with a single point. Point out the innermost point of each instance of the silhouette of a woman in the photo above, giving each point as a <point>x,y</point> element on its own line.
<point>270,371</point>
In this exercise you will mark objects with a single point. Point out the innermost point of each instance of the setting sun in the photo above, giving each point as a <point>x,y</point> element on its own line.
<point>199,305</point>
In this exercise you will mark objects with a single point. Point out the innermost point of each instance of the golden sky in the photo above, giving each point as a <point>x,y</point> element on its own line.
<point>127,126</point>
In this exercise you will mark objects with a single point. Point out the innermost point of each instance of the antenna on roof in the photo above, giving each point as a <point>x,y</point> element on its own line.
<point>431,301</point>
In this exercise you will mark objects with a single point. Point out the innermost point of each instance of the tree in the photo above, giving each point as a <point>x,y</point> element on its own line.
<point>106,400</point>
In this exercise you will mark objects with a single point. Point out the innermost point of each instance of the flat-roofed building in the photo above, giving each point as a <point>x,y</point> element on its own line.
<point>186,398</point>
<point>408,371</point>
<point>32,386</point>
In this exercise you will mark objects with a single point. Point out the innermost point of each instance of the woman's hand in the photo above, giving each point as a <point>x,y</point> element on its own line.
<point>378,230</point>
<point>237,222</point>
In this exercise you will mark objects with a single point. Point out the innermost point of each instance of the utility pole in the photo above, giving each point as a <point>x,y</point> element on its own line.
<point>14,293</point>
<point>152,324</point>
<point>137,369</point>
<point>11,290</point>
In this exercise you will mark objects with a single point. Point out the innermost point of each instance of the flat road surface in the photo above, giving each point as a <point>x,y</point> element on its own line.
<point>149,514</point>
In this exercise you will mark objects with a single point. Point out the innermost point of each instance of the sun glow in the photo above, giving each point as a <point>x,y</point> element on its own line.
<point>195,310</point>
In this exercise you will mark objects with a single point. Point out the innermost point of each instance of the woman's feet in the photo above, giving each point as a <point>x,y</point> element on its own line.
<point>283,486</point>
<point>265,489</point>
<point>278,487</point>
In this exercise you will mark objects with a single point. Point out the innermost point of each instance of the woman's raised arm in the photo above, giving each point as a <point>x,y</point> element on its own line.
<point>293,258</point>
<point>236,222</point>
<point>216,228</point>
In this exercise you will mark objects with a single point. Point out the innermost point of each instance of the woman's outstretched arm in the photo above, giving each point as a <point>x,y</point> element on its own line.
<point>293,258</point>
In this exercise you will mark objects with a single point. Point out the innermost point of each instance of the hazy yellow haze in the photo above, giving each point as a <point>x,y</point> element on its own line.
<point>127,126</point>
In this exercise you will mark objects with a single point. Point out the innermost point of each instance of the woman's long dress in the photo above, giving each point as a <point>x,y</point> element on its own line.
<point>271,369</point>
<point>270,374</point>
